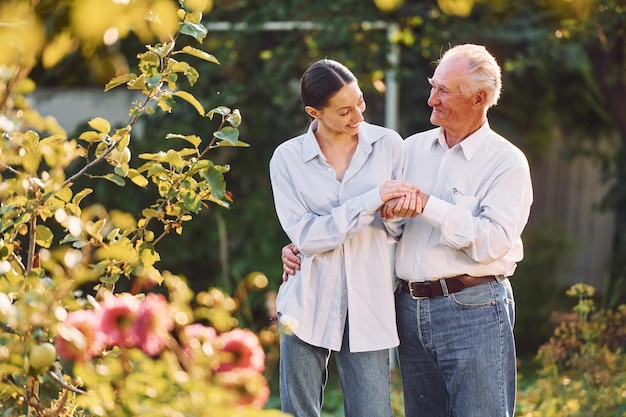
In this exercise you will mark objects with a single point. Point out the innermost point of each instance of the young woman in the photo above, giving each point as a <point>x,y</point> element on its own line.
<point>328,186</point>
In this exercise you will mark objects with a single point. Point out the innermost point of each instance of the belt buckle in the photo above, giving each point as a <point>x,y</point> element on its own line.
<point>415,297</point>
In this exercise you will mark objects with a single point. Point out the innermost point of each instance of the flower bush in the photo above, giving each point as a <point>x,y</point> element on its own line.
<point>70,343</point>
<point>582,367</point>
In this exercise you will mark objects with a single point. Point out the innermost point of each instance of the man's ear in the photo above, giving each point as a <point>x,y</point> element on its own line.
<point>312,111</point>
<point>480,98</point>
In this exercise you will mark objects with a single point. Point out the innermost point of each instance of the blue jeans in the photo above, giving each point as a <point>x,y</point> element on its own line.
<point>457,352</point>
<point>364,377</point>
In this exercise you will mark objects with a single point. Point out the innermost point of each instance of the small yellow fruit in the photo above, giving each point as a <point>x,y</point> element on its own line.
<point>388,6</point>
<point>42,356</point>
<point>461,8</point>
<point>120,157</point>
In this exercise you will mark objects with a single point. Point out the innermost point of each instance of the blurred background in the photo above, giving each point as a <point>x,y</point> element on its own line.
<point>563,104</point>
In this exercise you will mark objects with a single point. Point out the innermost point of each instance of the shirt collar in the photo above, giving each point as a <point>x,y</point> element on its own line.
<point>368,134</point>
<point>470,144</point>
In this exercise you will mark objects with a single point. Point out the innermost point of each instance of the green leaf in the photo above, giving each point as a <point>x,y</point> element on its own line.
<point>166,103</point>
<point>195,30</point>
<point>192,202</point>
<point>221,110</point>
<point>152,82</point>
<point>217,183</point>
<point>116,179</point>
<point>191,100</point>
<point>228,133</point>
<point>43,236</point>
<point>199,54</point>
<point>192,75</point>
<point>193,139</point>
<point>121,170</point>
<point>122,79</point>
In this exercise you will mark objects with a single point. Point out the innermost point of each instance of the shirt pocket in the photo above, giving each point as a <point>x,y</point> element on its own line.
<point>468,201</point>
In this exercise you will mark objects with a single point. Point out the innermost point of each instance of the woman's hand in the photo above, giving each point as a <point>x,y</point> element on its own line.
<point>409,206</point>
<point>394,189</point>
<point>290,259</point>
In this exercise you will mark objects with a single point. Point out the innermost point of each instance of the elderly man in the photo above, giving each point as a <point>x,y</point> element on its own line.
<point>454,303</point>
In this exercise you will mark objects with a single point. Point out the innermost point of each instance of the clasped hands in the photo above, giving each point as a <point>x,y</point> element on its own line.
<point>400,199</point>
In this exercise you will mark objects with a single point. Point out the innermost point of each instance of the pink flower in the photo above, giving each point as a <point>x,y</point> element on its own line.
<point>119,313</point>
<point>250,387</point>
<point>240,349</point>
<point>153,323</point>
<point>80,336</point>
<point>198,336</point>
<point>199,332</point>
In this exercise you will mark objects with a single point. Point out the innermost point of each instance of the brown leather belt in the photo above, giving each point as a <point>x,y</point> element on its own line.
<point>419,289</point>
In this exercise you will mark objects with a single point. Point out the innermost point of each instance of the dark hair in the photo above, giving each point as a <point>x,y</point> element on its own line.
<point>322,80</point>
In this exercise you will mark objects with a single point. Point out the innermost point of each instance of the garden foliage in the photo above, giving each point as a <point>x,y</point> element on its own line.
<point>582,367</point>
<point>71,344</point>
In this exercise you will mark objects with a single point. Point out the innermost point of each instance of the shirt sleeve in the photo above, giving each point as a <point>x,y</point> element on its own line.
<point>486,228</point>
<point>395,226</point>
<point>312,233</point>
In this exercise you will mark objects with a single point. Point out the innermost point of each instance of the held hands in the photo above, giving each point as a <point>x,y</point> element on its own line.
<point>291,260</point>
<point>409,205</point>
<point>401,198</point>
<point>394,189</point>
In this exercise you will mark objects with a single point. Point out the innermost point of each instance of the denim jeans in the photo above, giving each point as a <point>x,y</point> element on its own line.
<point>364,377</point>
<point>457,352</point>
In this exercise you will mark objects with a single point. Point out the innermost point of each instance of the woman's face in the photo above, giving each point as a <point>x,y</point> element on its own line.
<point>344,111</point>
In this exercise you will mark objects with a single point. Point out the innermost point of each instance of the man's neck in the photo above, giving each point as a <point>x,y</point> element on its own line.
<point>456,136</point>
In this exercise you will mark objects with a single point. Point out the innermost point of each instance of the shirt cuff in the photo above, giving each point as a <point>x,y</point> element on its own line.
<point>372,201</point>
<point>435,210</point>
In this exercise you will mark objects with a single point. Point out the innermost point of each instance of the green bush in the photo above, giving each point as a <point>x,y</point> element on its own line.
<point>582,368</point>
<point>71,343</point>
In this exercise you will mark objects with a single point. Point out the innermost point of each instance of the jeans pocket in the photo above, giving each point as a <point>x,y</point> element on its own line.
<point>479,296</point>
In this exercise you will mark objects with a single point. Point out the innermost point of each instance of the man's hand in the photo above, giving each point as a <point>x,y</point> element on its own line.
<point>409,206</point>
<point>291,260</point>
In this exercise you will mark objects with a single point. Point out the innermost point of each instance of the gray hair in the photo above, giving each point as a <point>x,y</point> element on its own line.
<point>483,70</point>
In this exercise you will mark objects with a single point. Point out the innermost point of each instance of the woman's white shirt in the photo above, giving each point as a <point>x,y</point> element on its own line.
<point>346,268</point>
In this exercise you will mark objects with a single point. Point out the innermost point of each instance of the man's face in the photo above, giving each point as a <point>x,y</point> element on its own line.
<point>450,107</point>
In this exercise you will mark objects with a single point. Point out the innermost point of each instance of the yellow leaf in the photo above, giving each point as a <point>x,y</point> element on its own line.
<point>61,46</point>
<point>191,100</point>
<point>149,257</point>
<point>200,54</point>
<point>43,236</point>
<point>122,79</point>
<point>100,124</point>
